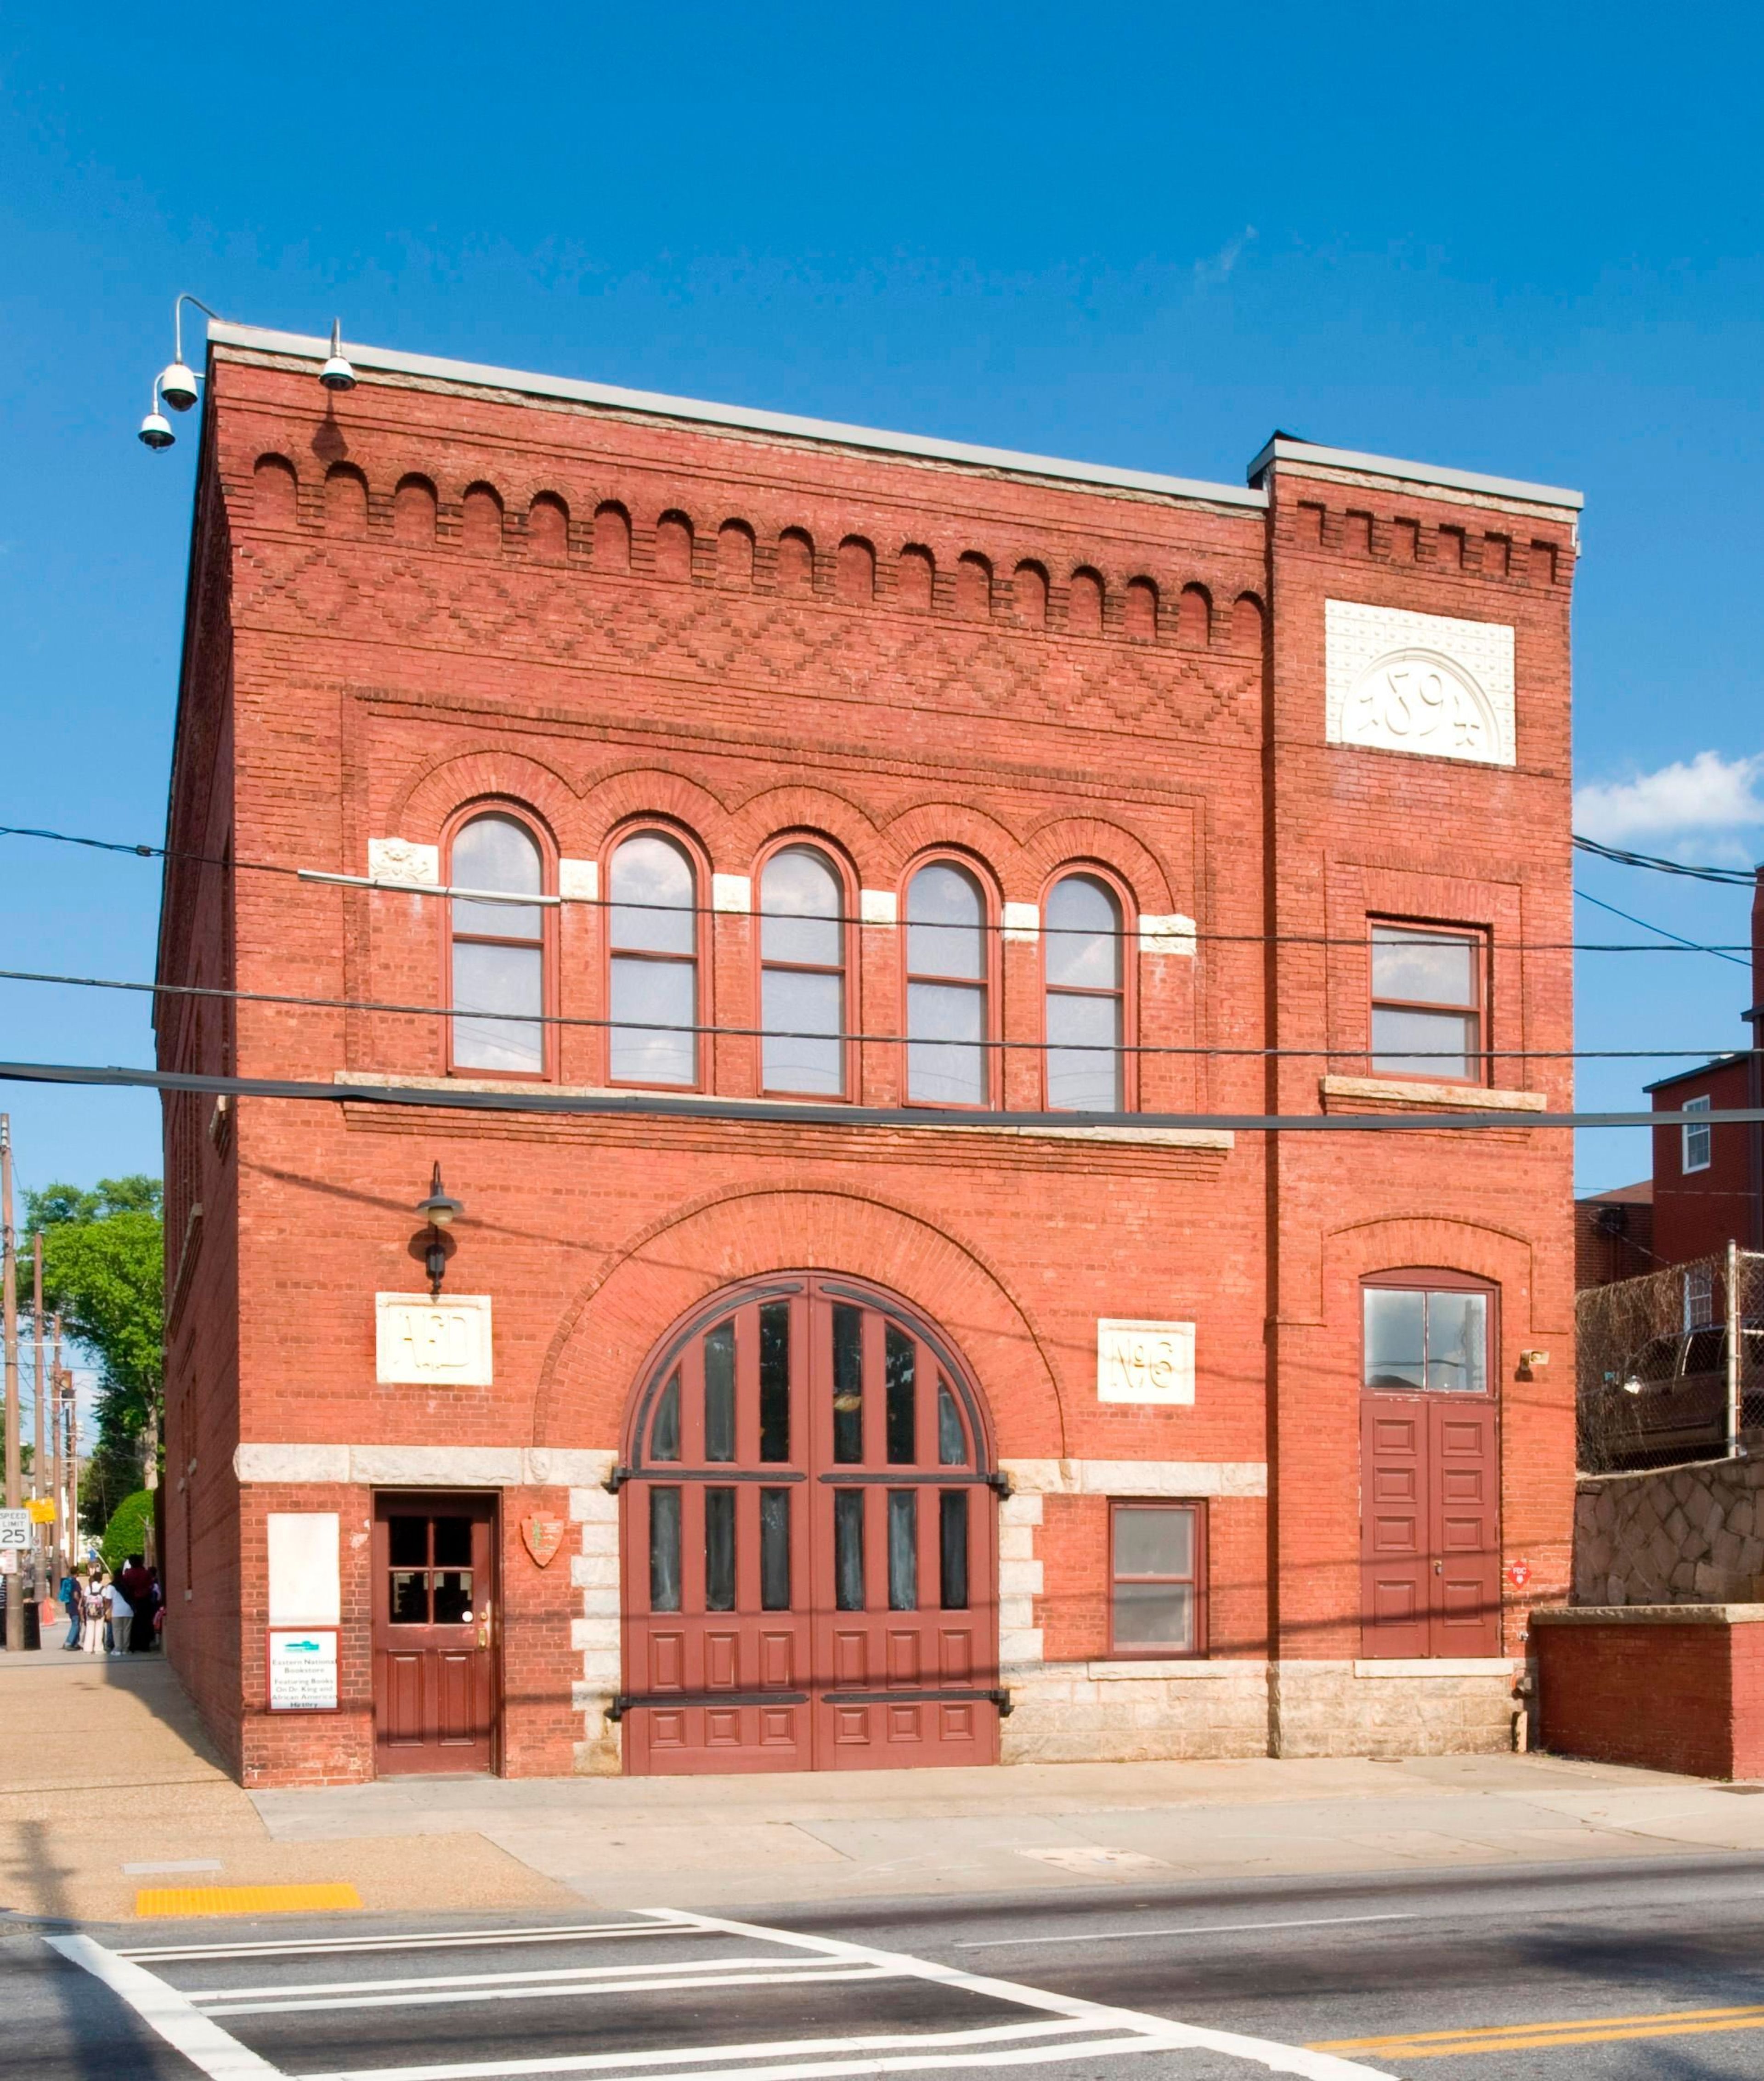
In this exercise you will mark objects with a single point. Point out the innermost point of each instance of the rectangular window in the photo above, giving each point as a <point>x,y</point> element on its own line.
<point>952,1549</point>
<point>1428,995</point>
<point>1698,1136</point>
<point>848,1549</point>
<point>719,1393</point>
<point>775,1549</point>
<point>1699,1297</point>
<point>1157,1579</point>
<point>903,1550</point>
<point>774,1380</point>
<point>664,1549</point>
<point>1418,1339</point>
<point>720,1549</point>
<point>901,1407</point>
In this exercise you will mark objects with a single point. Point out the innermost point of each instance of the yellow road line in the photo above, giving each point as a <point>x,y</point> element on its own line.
<point>1536,2036</point>
<point>243,1899</point>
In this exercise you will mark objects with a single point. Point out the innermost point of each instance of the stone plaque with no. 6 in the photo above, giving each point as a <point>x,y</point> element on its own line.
<point>1145,1361</point>
<point>421,1343</point>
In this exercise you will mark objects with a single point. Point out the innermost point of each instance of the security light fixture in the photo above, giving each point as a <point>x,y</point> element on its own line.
<point>178,386</point>
<point>337,374</point>
<point>156,428</point>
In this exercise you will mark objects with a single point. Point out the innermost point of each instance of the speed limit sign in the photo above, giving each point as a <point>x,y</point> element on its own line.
<point>15,1531</point>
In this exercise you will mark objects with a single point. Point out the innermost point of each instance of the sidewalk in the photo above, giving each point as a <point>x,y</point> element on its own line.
<point>104,1768</point>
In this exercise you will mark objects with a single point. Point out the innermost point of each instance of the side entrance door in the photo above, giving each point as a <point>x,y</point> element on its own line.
<point>1430,1472</point>
<point>436,1693</point>
<point>809,1541</point>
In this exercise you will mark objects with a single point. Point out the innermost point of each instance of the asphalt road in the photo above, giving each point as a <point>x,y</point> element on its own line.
<point>1652,1969</point>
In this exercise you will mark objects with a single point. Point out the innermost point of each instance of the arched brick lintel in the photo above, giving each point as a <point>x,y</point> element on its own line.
<point>592,1366</point>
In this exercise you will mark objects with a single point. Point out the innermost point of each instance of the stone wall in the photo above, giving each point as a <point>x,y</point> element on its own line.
<point>1683,1536</point>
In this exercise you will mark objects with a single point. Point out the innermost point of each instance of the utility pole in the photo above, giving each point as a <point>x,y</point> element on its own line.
<point>9,1302</point>
<point>43,1415</point>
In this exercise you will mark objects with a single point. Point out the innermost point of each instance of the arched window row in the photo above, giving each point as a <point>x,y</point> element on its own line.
<point>658,1024</point>
<point>1024,593</point>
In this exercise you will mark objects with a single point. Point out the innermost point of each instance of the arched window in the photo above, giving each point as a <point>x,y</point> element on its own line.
<point>1081,933</point>
<point>948,1019</point>
<point>802,974</point>
<point>498,950</point>
<point>653,937</point>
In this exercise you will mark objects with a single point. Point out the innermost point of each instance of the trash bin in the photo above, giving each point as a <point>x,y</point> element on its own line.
<point>33,1630</point>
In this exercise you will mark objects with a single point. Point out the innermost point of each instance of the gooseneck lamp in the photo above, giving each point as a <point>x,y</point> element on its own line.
<point>440,1211</point>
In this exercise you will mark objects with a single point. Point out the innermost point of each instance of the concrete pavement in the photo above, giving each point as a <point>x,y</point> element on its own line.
<point>108,1786</point>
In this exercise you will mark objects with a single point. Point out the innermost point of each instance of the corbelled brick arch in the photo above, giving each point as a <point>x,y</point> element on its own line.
<point>613,1322</point>
<point>800,809</point>
<point>922,826</point>
<point>424,804</point>
<point>1063,842</point>
<point>618,796</point>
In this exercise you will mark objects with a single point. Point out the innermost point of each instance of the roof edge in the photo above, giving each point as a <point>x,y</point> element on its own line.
<point>483,376</point>
<point>1281,448</point>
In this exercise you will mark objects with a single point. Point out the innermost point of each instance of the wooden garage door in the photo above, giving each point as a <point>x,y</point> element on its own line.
<point>809,1541</point>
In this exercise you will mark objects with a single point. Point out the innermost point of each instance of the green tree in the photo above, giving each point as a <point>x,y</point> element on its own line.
<point>104,1268</point>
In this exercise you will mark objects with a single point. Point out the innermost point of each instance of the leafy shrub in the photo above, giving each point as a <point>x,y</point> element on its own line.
<point>127,1531</point>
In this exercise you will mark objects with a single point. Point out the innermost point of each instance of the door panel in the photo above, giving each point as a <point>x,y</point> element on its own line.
<point>436,1690</point>
<point>817,1562</point>
<point>1429,1528</point>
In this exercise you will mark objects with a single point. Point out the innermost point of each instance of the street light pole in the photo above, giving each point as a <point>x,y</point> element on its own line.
<point>9,1303</point>
<point>42,1458</point>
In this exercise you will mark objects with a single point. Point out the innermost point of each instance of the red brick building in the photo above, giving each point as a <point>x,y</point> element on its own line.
<point>798,764</point>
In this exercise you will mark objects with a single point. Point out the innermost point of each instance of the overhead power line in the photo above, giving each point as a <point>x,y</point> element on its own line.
<point>1738,876</point>
<point>1688,946</point>
<point>649,1105</point>
<point>318,877</point>
<point>382,1008</point>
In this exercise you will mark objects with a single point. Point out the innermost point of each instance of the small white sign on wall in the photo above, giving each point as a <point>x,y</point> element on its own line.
<point>305,1576</point>
<point>303,1670</point>
<point>1145,1361</point>
<point>420,1343</point>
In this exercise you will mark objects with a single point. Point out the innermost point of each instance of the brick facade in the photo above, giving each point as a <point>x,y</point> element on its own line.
<point>438,592</point>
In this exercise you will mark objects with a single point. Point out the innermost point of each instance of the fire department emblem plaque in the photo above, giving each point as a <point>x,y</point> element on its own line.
<point>542,1534</point>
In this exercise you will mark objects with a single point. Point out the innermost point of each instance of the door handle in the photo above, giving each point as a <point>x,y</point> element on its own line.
<point>1439,1569</point>
<point>483,1628</point>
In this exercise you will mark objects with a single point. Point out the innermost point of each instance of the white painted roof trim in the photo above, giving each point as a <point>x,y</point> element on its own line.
<point>257,339</point>
<point>1280,449</point>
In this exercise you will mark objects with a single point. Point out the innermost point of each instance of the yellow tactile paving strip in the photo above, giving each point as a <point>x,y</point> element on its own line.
<point>1539,2037</point>
<point>244,1900</point>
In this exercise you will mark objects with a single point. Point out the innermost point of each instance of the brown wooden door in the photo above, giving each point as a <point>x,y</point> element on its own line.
<point>809,1542</point>
<point>1429,1541</point>
<point>435,1687</point>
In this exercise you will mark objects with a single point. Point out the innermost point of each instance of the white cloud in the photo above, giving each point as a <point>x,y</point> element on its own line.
<point>1707,793</point>
<point>1217,269</point>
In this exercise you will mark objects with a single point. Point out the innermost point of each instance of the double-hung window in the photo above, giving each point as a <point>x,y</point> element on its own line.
<point>1158,1578</point>
<point>802,974</point>
<point>498,951</point>
<point>948,999</point>
<point>1083,965</point>
<point>654,935</point>
<point>1429,1006</point>
<point>1698,1136</point>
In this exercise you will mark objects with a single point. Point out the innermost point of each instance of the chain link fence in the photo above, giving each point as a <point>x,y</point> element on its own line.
<point>1669,1367</point>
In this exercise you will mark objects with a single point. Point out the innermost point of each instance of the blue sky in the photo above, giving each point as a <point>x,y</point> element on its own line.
<point>1525,243</point>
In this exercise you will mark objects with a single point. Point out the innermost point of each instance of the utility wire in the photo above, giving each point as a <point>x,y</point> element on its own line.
<point>1691,946</point>
<point>518,899</point>
<point>1738,876</point>
<point>373,1005</point>
<point>647,1105</point>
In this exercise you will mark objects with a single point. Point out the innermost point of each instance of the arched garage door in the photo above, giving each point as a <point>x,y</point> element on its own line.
<point>809,1540</point>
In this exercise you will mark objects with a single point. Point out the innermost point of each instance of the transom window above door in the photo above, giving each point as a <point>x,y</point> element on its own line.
<point>1428,1003</point>
<point>1424,1338</point>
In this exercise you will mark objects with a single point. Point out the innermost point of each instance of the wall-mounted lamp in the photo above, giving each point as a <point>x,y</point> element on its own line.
<point>176,384</point>
<point>440,1211</point>
<point>1533,1361</point>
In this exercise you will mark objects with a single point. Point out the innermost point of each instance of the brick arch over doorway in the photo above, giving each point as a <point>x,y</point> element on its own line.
<point>611,1324</point>
<point>809,1539</point>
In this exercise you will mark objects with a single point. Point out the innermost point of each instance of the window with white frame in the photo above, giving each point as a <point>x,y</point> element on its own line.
<point>1697,1135</point>
<point>1698,1296</point>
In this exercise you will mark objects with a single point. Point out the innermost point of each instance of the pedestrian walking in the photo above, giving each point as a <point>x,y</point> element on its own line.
<point>137,1579</point>
<point>94,1613</point>
<point>122,1616</point>
<point>69,1596</point>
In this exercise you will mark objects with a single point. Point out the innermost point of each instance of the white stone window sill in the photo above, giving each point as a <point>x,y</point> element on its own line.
<point>1401,1090</point>
<point>1490,1665</point>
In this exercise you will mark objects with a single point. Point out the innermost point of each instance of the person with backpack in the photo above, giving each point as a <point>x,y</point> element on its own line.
<point>68,1596</point>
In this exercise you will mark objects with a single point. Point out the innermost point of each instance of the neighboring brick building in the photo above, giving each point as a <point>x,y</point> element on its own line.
<point>1614,1235</point>
<point>854,1433</point>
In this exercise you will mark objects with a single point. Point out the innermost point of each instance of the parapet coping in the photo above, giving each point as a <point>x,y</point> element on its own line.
<point>933,1123</point>
<point>482,376</point>
<point>1649,1615</point>
<point>1283,448</point>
